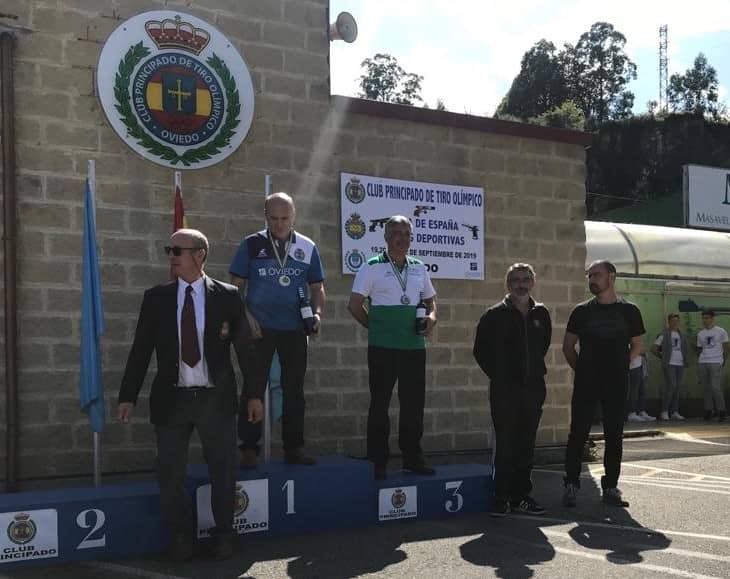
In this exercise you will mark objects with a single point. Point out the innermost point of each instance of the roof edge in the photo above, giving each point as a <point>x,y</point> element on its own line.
<point>458,120</point>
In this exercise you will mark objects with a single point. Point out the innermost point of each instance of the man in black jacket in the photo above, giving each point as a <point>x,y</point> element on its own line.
<point>191,323</point>
<point>512,339</point>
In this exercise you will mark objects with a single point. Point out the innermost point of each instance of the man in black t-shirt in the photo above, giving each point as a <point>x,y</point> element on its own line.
<point>609,330</point>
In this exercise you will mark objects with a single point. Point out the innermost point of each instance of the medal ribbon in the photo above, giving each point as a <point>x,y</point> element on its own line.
<point>281,260</point>
<point>402,279</point>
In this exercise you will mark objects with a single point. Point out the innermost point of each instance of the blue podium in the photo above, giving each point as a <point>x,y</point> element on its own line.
<point>46,527</point>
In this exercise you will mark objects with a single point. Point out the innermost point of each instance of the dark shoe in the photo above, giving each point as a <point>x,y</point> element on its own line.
<point>708,415</point>
<point>298,456</point>
<point>380,472</point>
<point>613,498</point>
<point>249,458</point>
<point>500,508</point>
<point>570,495</point>
<point>181,548</point>
<point>527,506</point>
<point>222,548</point>
<point>419,467</point>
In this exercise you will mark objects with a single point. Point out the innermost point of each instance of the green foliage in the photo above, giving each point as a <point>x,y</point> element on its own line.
<point>642,157</point>
<point>695,91</point>
<point>540,85</point>
<point>593,74</point>
<point>385,80</point>
<point>565,116</point>
<point>599,71</point>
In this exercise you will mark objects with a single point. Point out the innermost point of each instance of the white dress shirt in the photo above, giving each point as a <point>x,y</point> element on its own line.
<point>198,375</point>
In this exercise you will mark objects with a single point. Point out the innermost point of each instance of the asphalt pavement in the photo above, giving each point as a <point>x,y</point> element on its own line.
<point>675,475</point>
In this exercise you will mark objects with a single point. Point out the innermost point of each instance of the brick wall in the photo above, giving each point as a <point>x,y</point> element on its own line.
<point>534,212</point>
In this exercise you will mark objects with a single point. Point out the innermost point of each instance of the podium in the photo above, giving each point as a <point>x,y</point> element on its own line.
<point>275,499</point>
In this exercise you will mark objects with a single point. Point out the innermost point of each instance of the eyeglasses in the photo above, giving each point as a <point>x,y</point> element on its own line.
<point>177,250</point>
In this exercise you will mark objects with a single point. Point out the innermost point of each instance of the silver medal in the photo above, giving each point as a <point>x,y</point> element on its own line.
<point>404,300</point>
<point>284,280</point>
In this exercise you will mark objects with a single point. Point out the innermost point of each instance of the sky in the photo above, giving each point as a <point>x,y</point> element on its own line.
<point>469,51</point>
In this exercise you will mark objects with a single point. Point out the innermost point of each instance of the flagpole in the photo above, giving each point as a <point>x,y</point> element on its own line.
<point>178,180</point>
<point>267,392</point>
<point>96,436</point>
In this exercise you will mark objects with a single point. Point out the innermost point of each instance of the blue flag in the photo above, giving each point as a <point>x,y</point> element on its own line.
<point>91,387</point>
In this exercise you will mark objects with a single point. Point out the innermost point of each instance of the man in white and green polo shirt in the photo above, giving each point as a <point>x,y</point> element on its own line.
<point>393,284</point>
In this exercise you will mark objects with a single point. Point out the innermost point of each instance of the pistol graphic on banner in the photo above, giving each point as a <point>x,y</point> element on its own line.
<point>422,210</point>
<point>474,230</point>
<point>375,223</point>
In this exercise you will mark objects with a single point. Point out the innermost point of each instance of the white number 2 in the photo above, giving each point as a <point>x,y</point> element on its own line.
<point>454,506</point>
<point>99,520</point>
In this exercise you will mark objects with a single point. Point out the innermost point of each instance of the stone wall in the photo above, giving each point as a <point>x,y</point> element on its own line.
<point>534,182</point>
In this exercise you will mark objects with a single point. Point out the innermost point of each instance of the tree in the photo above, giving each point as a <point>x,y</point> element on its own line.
<point>540,85</point>
<point>440,106</point>
<point>695,91</point>
<point>566,116</point>
<point>593,74</point>
<point>385,80</point>
<point>598,71</point>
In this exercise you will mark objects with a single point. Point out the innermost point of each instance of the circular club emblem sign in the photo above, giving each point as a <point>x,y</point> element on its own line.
<point>175,89</point>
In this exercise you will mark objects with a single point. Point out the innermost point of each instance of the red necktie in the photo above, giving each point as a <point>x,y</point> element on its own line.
<point>190,351</point>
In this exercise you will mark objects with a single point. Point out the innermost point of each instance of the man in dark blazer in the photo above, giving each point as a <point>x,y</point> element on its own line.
<point>191,323</point>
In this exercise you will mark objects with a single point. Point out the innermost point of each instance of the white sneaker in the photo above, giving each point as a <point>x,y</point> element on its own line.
<point>645,417</point>
<point>664,416</point>
<point>633,417</point>
<point>677,416</point>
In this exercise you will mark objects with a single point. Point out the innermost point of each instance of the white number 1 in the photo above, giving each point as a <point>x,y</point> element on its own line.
<point>289,486</point>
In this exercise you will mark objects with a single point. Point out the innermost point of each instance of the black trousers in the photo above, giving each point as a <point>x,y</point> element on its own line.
<point>408,367</point>
<point>609,389</point>
<point>516,411</point>
<point>197,410</point>
<point>292,350</point>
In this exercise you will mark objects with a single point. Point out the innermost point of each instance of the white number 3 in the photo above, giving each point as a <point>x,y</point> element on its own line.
<point>454,506</point>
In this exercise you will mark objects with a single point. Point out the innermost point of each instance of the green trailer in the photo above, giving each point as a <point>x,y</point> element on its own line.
<point>664,270</point>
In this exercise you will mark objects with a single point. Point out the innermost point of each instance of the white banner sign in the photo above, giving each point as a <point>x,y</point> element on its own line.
<point>251,511</point>
<point>707,197</point>
<point>398,503</point>
<point>448,223</point>
<point>28,535</point>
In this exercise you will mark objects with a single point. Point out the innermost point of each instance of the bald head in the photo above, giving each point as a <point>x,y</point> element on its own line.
<point>279,212</point>
<point>279,199</point>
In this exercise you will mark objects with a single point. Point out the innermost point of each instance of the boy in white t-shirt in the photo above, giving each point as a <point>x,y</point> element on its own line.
<point>712,344</point>
<point>672,349</point>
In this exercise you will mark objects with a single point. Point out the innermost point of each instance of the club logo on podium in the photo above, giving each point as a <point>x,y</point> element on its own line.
<point>22,529</point>
<point>398,503</point>
<point>399,498</point>
<point>242,500</point>
<point>29,535</point>
<point>175,89</point>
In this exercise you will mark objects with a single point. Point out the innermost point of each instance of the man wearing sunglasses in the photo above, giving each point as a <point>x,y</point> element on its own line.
<point>272,266</point>
<point>191,324</point>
